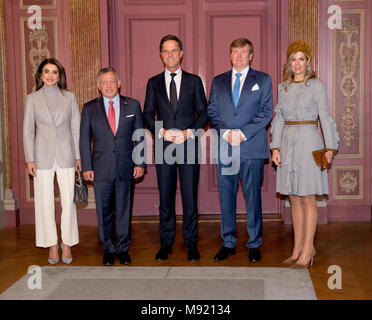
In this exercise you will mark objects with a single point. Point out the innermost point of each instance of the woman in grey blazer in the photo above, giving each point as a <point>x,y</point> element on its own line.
<point>51,145</point>
<point>302,106</point>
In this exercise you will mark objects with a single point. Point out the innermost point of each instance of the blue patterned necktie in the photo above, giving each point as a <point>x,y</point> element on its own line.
<point>236,89</point>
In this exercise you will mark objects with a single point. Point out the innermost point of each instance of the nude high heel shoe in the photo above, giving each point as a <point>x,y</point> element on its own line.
<point>305,266</point>
<point>290,261</point>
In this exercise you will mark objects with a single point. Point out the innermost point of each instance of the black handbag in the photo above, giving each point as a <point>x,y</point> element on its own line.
<point>80,190</point>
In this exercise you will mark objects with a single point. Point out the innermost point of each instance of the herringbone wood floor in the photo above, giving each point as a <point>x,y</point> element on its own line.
<point>348,245</point>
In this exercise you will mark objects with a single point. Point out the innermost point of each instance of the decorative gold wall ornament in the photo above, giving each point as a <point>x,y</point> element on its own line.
<point>348,182</point>
<point>349,54</point>
<point>39,51</point>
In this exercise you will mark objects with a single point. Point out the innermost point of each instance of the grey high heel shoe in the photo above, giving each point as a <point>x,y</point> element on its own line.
<point>66,260</point>
<point>53,261</point>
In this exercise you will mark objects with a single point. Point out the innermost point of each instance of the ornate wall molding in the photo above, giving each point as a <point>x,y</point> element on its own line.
<point>85,48</point>
<point>349,83</point>
<point>37,45</point>
<point>348,182</point>
<point>349,54</point>
<point>38,40</point>
<point>304,25</point>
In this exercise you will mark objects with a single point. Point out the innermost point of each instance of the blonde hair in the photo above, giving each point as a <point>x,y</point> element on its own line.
<point>288,74</point>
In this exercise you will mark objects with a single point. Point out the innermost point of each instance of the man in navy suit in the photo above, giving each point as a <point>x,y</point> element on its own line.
<point>175,107</point>
<point>113,121</point>
<point>240,107</point>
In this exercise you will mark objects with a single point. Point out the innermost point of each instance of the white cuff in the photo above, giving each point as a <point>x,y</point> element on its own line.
<point>225,134</point>
<point>192,134</point>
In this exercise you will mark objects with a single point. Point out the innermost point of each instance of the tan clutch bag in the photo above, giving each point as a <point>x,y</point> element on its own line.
<point>320,159</point>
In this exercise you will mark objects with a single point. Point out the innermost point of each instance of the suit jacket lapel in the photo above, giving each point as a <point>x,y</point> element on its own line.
<point>163,90</point>
<point>250,80</point>
<point>102,113</point>
<point>123,104</point>
<point>228,80</point>
<point>60,106</point>
<point>183,90</point>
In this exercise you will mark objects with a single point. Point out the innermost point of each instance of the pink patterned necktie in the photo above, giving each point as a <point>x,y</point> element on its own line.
<point>111,117</point>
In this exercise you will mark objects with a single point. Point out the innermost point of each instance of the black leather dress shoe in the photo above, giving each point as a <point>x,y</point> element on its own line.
<point>224,253</point>
<point>254,255</point>
<point>123,257</point>
<point>193,253</point>
<point>163,253</point>
<point>108,258</point>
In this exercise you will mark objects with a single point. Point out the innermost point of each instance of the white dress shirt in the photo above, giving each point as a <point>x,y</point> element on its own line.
<point>177,80</point>
<point>244,73</point>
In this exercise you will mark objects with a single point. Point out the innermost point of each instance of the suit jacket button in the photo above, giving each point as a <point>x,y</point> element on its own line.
<point>235,113</point>
<point>114,151</point>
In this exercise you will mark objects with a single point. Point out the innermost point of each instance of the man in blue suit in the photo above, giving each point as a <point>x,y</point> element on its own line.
<point>113,122</point>
<point>240,107</point>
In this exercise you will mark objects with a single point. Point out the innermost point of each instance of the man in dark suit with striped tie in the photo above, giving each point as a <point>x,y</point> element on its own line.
<point>175,107</point>
<point>111,120</point>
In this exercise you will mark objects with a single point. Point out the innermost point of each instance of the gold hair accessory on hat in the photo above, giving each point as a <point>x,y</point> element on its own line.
<point>299,45</point>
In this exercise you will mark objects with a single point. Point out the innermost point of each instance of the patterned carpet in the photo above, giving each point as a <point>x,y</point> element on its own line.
<point>161,283</point>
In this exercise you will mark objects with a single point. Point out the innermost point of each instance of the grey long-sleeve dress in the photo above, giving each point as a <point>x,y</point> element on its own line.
<point>298,173</point>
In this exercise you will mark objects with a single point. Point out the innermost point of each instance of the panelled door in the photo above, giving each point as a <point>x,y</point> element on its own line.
<point>206,28</point>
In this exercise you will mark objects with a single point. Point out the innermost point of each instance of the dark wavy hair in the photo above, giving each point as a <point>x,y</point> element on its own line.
<point>61,70</point>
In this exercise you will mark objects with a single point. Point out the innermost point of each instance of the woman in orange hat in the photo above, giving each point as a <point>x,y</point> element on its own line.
<point>302,101</point>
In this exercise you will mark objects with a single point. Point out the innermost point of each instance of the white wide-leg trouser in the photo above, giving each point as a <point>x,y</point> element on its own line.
<point>45,222</point>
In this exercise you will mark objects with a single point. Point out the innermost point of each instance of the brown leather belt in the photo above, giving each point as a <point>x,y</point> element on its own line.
<point>298,123</point>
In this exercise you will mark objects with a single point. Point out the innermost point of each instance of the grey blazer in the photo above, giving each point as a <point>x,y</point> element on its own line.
<point>45,139</point>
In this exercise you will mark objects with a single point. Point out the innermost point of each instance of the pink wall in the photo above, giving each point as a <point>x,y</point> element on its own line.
<point>206,28</point>
<point>130,35</point>
<point>350,179</point>
<point>55,18</point>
